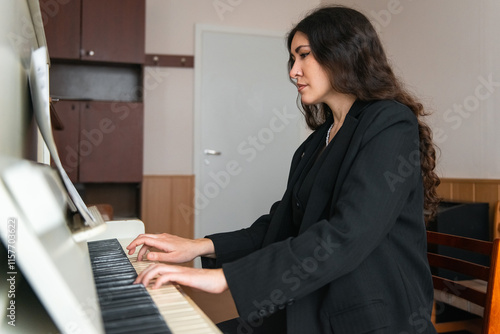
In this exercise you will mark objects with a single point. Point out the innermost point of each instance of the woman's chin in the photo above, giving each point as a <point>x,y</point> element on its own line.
<point>306,101</point>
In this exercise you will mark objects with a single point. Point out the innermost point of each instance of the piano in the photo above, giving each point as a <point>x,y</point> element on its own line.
<point>78,282</point>
<point>64,270</point>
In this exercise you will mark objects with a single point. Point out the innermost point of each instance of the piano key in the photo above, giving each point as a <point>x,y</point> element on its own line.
<point>129,311</point>
<point>182,315</point>
<point>121,282</point>
<point>132,325</point>
<point>112,276</point>
<point>125,307</point>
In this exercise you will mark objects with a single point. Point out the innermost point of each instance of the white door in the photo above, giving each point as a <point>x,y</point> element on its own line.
<point>247,126</point>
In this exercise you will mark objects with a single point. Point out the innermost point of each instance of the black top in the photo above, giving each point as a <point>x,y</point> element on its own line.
<point>357,260</point>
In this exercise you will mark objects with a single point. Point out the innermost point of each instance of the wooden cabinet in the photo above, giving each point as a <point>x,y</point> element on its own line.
<point>62,27</point>
<point>101,142</point>
<point>95,30</point>
<point>67,138</point>
<point>111,142</point>
<point>97,55</point>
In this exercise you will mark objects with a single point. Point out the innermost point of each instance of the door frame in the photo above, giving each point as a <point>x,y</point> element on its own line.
<point>197,144</point>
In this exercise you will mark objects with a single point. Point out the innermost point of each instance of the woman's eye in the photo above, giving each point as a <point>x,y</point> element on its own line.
<point>303,55</point>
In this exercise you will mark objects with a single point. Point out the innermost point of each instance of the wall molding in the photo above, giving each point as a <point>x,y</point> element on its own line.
<point>186,61</point>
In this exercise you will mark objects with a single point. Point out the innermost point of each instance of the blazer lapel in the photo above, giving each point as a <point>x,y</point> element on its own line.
<point>306,151</point>
<point>279,225</point>
<point>326,179</point>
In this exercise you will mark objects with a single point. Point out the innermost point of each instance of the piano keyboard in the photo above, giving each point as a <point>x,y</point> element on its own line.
<point>180,313</point>
<point>125,307</point>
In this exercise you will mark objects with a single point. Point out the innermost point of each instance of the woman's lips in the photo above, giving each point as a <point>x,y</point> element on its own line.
<point>300,87</point>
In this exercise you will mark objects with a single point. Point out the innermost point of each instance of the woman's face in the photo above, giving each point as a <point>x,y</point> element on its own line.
<point>311,79</point>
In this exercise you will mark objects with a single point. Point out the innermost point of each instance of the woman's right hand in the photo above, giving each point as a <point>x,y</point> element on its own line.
<point>173,249</point>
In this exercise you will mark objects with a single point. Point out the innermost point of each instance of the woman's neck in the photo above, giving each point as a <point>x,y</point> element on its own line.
<point>340,106</point>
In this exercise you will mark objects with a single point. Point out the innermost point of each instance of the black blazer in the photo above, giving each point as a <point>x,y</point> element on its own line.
<point>357,263</point>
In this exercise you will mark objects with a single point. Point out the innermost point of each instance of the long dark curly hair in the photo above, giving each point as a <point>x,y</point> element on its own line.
<point>346,45</point>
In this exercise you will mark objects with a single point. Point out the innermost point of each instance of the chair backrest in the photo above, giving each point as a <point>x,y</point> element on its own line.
<point>442,264</point>
<point>496,221</point>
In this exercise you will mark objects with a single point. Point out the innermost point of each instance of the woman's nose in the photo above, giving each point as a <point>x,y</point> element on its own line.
<point>295,72</point>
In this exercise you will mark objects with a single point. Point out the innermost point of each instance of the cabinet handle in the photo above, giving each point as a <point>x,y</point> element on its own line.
<point>91,53</point>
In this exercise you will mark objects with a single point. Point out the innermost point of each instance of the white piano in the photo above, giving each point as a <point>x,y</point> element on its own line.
<point>60,274</point>
<point>41,249</point>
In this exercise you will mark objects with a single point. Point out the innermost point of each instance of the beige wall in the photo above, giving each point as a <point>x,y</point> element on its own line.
<point>448,51</point>
<point>169,92</point>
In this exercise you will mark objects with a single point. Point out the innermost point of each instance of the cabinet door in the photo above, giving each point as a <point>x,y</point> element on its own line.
<point>61,21</point>
<point>111,142</point>
<point>113,30</point>
<point>67,139</point>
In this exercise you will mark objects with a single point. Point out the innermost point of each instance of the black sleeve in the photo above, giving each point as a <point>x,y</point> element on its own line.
<point>230,246</point>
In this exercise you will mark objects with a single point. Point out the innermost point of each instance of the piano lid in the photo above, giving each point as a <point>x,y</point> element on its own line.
<point>41,246</point>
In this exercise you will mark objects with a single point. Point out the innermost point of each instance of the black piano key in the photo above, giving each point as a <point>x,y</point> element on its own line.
<point>114,277</point>
<point>150,324</point>
<point>105,296</point>
<point>125,307</point>
<point>129,311</point>
<point>109,304</point>
<point>115,283</point>
<point>103,270</point>
<point>124,290</point>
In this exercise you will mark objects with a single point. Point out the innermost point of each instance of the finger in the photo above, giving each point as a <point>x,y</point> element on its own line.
<point>155,236</point>
<point>170,257</point>
<point>165,274</point>
<point>141,277</point>
<point>154,256</point>
<point>145,240</point>
<point>140,240</point>
<point>151,272</point>
<point>142,252</point>
<point>136,242</point>
<point>163,279</point>
<point>131,248</point>
<point>171,274</point>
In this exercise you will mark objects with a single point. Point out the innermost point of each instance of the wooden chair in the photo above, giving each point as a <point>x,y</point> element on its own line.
<point>496,221</point>
<point>479,295</point>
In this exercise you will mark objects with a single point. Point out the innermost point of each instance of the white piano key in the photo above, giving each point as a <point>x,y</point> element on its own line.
<point>181,314</point>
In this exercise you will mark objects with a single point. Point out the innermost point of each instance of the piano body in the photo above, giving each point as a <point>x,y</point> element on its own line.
<point>41,249</point>
<point>63,268</point>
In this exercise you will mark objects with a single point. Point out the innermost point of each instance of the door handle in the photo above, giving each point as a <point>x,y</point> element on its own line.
<point>212,152</point>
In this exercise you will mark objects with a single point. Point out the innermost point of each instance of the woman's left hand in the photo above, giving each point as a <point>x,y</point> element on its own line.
<point>208,280</point>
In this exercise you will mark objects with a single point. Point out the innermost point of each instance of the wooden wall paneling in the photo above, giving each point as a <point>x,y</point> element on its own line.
<point>487,192</point>
<point>463,192</point>
<point>168,200</point>
<point>445,189</point>
<point>472,190</point>
<point>168,204</point>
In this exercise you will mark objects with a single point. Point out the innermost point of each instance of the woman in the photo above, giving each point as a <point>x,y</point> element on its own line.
<point>344,251</point>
